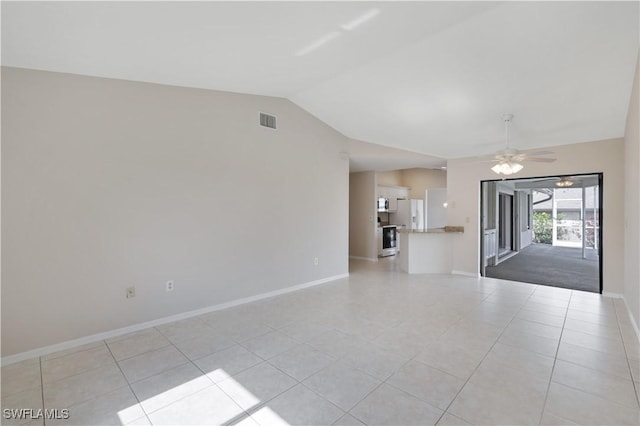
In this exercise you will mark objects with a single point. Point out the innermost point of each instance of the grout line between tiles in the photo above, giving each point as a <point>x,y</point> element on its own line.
<point>94,397</point>
<point>339,359</point>
<point>345,412</point>
<point>362,399</point>
<point>603,398</point>
<point>76,373</point>
<point>169,343</point>
<point>72,351</point>
<point>456,321</point>
<point>446,410</point>
<point>246,412</point>
<point>555,359</point>
<point>261,403</point>
<point>569,361</point>
<point>129,385</point>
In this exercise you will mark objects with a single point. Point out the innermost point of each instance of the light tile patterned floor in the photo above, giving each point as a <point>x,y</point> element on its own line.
<point>380,347</point>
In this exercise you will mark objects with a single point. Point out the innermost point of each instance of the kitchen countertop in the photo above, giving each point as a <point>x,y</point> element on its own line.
<point>445,230</point>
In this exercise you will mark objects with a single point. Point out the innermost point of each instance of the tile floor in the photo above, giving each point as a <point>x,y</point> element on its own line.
<point>380,347</point>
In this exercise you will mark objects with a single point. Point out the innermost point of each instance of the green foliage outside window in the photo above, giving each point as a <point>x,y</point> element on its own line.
<point>542,228</point>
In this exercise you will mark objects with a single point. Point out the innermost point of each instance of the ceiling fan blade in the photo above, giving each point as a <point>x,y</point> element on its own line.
<point>536,153</point>
<point>540,160</point>
<point>481,159</point>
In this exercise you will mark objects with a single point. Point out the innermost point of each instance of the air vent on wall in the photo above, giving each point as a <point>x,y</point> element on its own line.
<point>267,120</point>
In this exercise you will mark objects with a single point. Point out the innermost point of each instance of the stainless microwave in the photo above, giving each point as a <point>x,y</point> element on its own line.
<point>383,204</point>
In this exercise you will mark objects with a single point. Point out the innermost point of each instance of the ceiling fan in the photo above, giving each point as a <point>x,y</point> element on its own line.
<point>509,160</point>
<point>568,181</point>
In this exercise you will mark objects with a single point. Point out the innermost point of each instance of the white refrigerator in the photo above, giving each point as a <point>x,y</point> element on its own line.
<point>410,213</point>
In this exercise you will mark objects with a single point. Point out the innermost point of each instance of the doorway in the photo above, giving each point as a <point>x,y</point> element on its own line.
<point>543,230</point>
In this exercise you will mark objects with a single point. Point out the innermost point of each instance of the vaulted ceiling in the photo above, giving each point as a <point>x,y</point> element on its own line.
<point>428,77</point>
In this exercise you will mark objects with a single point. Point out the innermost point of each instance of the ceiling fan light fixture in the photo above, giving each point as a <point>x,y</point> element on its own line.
<point>507,165</point>
<point>507,168</point>
<point>564,183</point>
<point>509,160</point>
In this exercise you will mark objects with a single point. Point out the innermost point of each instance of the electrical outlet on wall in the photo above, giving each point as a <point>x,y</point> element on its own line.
<point>170,285</point>
<point>315,261</point>
<point>131,292</point>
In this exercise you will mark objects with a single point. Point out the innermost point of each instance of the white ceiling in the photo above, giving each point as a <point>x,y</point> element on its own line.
<point>365,156</point>
<point>550,182</point>
<point>427,77</point>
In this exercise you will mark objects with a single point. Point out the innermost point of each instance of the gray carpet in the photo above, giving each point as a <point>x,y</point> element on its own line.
<point>553,266</point>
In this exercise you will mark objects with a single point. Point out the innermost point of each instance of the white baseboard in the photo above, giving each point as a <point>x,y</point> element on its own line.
<point>368,259</point>
<point>633,320</point>
<point>626,305</point>
<point>11,359</point>
<point>466,274</point>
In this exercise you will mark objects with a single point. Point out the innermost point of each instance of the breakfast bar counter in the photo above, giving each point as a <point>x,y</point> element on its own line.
<point>428,251</point>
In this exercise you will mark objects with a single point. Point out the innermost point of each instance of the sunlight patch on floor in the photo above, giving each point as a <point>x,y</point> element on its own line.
<point>188,388</point>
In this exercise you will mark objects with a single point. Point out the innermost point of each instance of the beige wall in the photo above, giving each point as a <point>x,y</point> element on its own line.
<point>392,178</point>
<point>108,184</point>
<point>463,185</point>
<point>419,180</point>
<point>362,222</point>
<point>632,207</point>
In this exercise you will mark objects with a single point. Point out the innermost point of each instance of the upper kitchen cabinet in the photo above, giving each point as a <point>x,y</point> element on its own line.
<point>393,194</point>
<point>382,191</point>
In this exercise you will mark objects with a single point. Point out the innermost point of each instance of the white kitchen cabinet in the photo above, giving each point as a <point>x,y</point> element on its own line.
<point>403,193</point>
<point>393,193</point>
<point>382,191</point>
<point>393,201</point>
